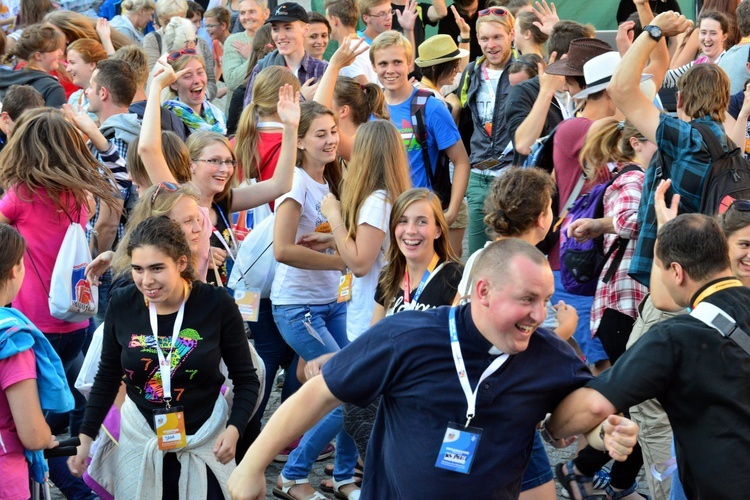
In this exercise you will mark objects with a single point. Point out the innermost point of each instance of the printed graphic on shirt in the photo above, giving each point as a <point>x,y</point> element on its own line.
<point>408,137</point>
<point>186,343</point>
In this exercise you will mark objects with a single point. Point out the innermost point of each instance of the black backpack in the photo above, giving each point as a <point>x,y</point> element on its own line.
<point>440,178</point>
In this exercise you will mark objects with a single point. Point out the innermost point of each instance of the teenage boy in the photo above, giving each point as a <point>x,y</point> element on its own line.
<point>377,16</point>
<point>343,15</point>
<point>392,55</point>
<point>289,27</point>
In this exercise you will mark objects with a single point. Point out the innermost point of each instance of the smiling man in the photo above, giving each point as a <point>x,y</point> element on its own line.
<point>426,365</point>
<point>289,27</point>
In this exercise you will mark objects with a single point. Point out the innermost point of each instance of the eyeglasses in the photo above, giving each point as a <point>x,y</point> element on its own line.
<point>212,26</point>
<point>495,11</point>
<point>184,52</point>
<point>216,162</point>
<point>168,186</point>
<point>383,15</point>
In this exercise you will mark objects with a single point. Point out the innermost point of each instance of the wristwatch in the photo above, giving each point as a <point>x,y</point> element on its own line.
<point>463,40</point>
<point>653,31</point>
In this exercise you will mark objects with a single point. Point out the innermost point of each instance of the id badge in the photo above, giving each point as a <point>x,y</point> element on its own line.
<point>459,448</point>
<point>487,164</point>
<point>248,302</point>
<point>345,288</point>
<point>308,326</point>
<point>169,425</point>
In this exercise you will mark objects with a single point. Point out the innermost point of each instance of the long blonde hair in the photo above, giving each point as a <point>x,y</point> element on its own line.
<point>265,102</point>
<point>393,273</point>
<point>379,162</point>
<point>610,142</point>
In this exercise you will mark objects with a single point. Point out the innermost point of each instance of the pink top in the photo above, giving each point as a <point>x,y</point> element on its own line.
<point>43,226</point>
<point>14,369</point>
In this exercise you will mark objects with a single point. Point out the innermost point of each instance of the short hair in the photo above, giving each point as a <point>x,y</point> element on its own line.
<point>346,10</point>
<point>733,220</point>
<point>388,39</point>
<point>136,58</point>
<point>118,79</point>
<point>696,243</point>
<point>366,5</point>
<point>317,17</point>
<point>705,91</point>
<point>508,21</point>
<point>19,98</point>
<point>565,32</point>
<point>743,18</point>
<point>167,9</point>
<point>221,14</point>
<point>495,261</point>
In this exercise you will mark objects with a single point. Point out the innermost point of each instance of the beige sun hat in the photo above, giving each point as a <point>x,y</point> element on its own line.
<point>439,49</point>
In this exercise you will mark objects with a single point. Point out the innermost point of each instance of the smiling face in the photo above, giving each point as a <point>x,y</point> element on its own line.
<point>494,40</point>
<point>210,178</point>
<point>215,29</point>
<point>416,232</point>
<point>380,18</point>
<point>80,71</point>
<point>93,93</point>
<point>191,87</point>
<point>316,40</point>
<point>739,254</point>
<point>513,308</point>
<point>711,38</point>
<point>157,275</point>
<point>320,142</point>
<point>252,16</point>
<point>392,67</point>
<point>289,37</point>
<point>185,212</point>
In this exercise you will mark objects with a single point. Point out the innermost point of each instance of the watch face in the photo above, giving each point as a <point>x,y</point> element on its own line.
<point>654,31</point>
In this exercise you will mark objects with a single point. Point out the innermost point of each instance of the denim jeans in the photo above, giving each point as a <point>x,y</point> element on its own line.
<point>592,348</point>
<point>677,492</point>
<point>329,322</point>
<point>476,192</point>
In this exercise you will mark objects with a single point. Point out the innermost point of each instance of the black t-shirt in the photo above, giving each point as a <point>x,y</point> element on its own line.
<point>419,27</point>
<point>439,291</point>
<point>701,379</point>
<point>448,26</point>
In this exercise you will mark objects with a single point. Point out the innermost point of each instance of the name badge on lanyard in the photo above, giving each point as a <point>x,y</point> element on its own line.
<point>169,422</point>
<point>422,283</point>
<point>460,442</point>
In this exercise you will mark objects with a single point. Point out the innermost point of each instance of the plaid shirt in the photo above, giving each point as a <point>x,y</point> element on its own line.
<point>688,162</point>
<point>622,293</point>
<point>309,67</point>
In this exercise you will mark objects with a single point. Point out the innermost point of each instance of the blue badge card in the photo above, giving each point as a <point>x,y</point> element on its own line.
<point>459,448</point>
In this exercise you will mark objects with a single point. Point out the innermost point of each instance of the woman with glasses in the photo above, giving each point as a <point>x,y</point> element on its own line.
<point>213,167</point>
<point>165,337</point>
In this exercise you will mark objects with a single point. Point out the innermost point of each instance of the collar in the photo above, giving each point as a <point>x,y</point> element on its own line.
<point>712,287</point>
<point>471,332</point>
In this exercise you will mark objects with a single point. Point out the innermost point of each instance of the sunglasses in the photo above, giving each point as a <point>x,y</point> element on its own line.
<point>739,205</point>
<point>168,186</point>
<point>494,11</point>
<point>184,52</point>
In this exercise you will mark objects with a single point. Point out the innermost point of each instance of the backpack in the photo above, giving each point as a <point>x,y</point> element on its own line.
<point>541,153</point>
<point>581,264</point>
<point>440,178</point>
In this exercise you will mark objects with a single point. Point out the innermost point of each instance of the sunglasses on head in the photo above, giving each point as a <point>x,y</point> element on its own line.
<point>167,186</point>
<point>494,11</point>
<point>176,55</point>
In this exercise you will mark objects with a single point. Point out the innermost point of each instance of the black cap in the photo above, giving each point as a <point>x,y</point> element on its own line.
<point>288,12</point>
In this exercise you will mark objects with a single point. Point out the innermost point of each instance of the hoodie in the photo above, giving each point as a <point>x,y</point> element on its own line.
<point>47,85</point>
<point>123,127</point>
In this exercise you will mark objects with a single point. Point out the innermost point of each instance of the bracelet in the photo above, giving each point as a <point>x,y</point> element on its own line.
<point>335,228</point>
<point>464,40</point>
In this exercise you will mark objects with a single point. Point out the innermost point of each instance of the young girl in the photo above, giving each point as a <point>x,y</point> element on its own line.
<point>22,349</point>
<point>83,54</point>
<point>167,316</point>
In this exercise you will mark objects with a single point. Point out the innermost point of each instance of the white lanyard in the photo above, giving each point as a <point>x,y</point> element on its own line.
<point>471,396</point>
<point>165,363</point>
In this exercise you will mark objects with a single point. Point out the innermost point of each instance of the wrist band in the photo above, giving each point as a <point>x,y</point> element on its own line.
<point>335,228</point>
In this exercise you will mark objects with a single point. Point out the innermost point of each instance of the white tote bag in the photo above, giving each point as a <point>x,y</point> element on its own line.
<point>255,265</point>
<point>71,297</point>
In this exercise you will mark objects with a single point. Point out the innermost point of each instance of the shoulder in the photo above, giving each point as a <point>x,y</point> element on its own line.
<point>126,294</point>
<point>451,273</point>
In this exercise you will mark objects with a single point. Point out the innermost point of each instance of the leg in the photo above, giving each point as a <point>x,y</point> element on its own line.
<point>538,480</point>
<point>476,192</point>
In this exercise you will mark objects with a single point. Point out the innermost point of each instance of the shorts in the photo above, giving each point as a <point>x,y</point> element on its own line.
<point>462,221</point>
<point>539,470</point>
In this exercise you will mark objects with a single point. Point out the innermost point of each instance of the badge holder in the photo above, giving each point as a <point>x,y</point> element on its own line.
<point>308,326</point>
<point>169,424</point>
<point>459,448</point>
<point>345,288</point>
<point>248,302</point>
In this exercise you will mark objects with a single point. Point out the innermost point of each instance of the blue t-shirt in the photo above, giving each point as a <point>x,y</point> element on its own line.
<point>442,133</point>
<point>407,358</point>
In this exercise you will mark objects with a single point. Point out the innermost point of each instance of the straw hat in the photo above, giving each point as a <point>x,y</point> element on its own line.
<point>439,49</point>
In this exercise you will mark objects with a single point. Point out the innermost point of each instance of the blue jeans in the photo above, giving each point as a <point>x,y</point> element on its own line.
<point>677,492</point>
<point>329,321</point>
<point>539,470</point>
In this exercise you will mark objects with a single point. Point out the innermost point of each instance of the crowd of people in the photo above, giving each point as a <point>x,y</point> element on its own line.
<point>255,200</point>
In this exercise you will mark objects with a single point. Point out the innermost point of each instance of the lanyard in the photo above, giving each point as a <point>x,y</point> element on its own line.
<point>422,283</point>
<point>165,362</point>
<point>229,228</point>
<point>721,285</point>
<point>471,396</point>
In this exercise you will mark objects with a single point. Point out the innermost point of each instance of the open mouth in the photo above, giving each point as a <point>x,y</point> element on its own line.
<point>151,293</point>
<point>197,93</point>
<point>411,244</point>
<point>526,329</point>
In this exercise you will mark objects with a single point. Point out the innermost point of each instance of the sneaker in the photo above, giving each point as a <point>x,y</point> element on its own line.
<point>601,478</point>
<point>284,455</point>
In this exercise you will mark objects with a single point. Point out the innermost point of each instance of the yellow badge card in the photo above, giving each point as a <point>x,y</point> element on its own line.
<point>345,288</point>
<point>248,302</point>
<point>169,425</point>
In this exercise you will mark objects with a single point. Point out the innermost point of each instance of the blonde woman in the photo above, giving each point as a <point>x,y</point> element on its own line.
<point>136,14</point>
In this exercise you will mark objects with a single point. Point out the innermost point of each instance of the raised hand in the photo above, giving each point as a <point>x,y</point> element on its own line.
<point>665,213</point>
<point>624,38</point>
<point>672,23</point>
<point>547,15</point>
<point>288,107</point>
<point>164,74</point>
<point>408,17</point>
<point>548,81</point>
<point>347,52</point>
<point>463,26</point>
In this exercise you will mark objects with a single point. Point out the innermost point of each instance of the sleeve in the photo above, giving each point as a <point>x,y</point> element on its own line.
<point>55,96</point>
<point>236,354</point>
<point>426,21</point>
<point>464,286</point>
<point>625,208</point>
<point>234,66</point>
<point>518,106</point>
<point>673,75</point>
<point>440,124</point>
<point>151,48</point>
<point>17,368</point>
<point>375,212</point>
<point>208,59</point>
<point>112,160</point>
<point>10,206</point>
<point>643,372</point>
<point>735,104</point>
<point>297,193</point>
<point>379,292</point>
<point>109,374</point>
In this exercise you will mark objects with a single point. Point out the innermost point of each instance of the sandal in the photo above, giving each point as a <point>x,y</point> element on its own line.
<point>352,495</point>
<point>568,479</point>
<point>359,469</point>
<point>288,484</point>
<point>326,485</point>
<point>617,495</point>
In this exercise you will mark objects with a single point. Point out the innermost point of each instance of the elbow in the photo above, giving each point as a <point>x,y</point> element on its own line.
<point>282,254</point>
<point>359,270</point>
<point>523,149</point>
<point>600,408</point>
<point>37,439</point>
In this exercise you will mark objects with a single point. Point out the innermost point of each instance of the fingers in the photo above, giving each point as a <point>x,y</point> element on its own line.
<point>308,82</point>
<point>455,12</point>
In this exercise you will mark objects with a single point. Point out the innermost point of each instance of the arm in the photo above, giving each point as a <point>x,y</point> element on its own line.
<point>437,11</point>
<point>465,33</point>
<point>105,35</point>
<point>686,53</point>
<point>377,314</point>
<point>359,253</point>
<point>406,20</point>
<point>738,132</point>
<point>660,55</point>
<point>624,89</point>
<point>254,195</point>
<point>287,252</point>
<point>547,15</point>
<point>298,414</point>
<point>23,399</point>
<point>105,227</point>
<point>461,170</point>
<point>235,62</point>
<point>660,295</point>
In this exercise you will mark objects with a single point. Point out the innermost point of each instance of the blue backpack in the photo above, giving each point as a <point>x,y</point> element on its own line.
<point>581,264</point>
